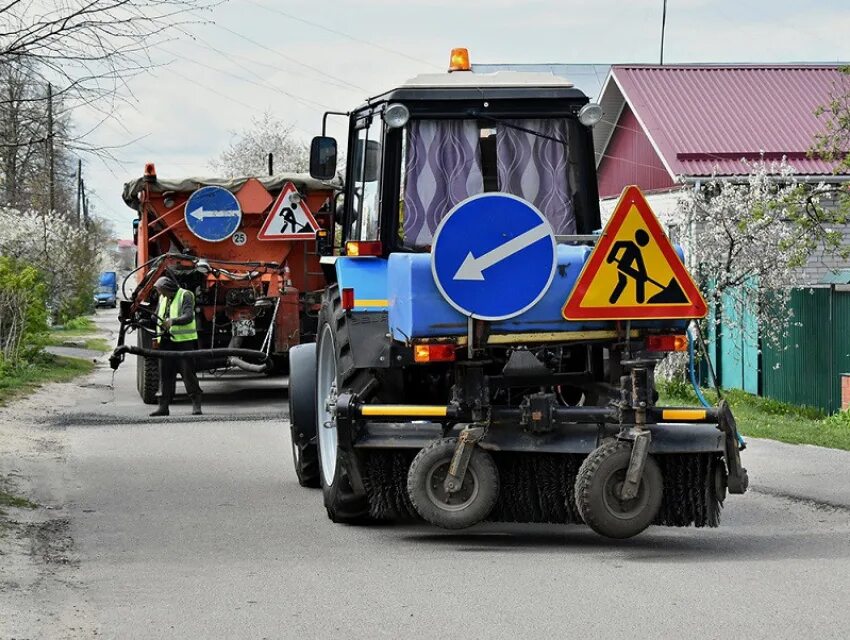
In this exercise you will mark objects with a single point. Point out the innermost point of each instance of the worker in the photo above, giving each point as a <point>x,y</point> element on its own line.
<point>176,319</point>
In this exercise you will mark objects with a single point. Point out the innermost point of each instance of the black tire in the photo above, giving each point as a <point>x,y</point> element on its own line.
<point>147,371</point>
<point>467,507</point>
<point>302,414</point>
<point>598,483</point>
<point>344,495</point>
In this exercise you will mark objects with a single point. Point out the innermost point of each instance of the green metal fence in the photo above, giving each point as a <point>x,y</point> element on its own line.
<point>805,369</point>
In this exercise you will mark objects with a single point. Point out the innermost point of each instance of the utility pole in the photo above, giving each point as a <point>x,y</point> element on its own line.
<point>79,189</point>
<point>271,164</point>
<point>51,178</point>
<point>663,24</point>
<point>85,201</point>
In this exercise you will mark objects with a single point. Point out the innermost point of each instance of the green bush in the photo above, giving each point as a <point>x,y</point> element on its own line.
<point>23,312</point>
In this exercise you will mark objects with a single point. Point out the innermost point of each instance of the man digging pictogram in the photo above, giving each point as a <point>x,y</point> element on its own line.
<point>630,264</point>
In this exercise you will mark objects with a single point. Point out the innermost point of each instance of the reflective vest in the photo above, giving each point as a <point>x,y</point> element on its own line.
<point>179,332</point>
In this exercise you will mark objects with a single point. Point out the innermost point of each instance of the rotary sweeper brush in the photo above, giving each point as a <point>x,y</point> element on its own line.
<point>481,353</point>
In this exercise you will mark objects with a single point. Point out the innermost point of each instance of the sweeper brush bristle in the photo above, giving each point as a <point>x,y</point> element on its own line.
<point>538,487</point>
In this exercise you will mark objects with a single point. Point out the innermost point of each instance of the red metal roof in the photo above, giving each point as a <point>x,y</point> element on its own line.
<point>704,119</point>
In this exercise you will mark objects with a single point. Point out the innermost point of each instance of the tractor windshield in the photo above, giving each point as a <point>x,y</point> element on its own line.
<point>446,161</point>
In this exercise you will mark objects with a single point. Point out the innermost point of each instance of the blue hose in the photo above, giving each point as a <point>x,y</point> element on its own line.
<point>692,371</point>
<point>693,375</point>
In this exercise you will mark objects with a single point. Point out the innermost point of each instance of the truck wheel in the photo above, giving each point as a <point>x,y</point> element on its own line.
<point>467,507</point>
<point>597,492</point>
<point>147,371</point>
<point>335,373</point>
<point>302,413</point>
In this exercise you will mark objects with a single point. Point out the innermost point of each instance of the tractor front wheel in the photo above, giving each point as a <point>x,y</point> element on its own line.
<point>598,492</point>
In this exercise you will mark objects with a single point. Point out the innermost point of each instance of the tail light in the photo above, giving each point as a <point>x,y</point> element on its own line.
<point>347,299</point>
<point>667,343</point>
<point>434,353</point>
<point>359,248</point>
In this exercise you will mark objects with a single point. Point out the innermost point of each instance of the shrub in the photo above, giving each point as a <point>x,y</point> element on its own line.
<point>23,312</point>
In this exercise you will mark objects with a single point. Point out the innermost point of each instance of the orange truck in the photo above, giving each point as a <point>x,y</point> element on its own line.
<point>247,248</point>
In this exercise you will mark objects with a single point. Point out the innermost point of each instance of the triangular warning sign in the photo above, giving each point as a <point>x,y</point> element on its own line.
<point>289,219</point>
<point>633,272</point>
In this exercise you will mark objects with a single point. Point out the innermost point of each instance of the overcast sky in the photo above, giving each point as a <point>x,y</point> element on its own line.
<point>252,55</point>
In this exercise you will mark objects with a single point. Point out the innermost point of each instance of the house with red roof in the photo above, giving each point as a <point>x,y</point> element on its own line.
<point>672,127</point>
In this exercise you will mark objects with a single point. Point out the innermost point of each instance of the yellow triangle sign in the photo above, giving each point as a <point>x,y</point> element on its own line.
<point>633,272</point>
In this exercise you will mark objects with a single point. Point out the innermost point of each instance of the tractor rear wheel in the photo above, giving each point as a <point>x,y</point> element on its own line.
<point>464,508</point>
<point>302,413</point>
<point>147,371</point>
<point>344,496</point>
<point>598,486</point>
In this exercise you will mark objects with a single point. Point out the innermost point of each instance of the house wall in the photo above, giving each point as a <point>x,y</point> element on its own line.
<point>630,159</point>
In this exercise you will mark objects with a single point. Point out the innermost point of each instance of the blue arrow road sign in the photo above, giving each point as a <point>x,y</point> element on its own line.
<point>212,213</point>
<point>493,256</point>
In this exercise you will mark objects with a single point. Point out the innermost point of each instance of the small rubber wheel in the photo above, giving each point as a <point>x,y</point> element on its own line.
<point>302,413</point>
<point>597,492</point>
<point>468,506</point>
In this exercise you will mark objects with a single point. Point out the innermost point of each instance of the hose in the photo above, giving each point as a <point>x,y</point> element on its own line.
<point>693,375</point>
<point>195,353</point>
<point>692,371</point>
<point>247,366</point>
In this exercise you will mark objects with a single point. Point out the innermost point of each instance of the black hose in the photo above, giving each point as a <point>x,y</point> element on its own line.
<point>195,353</point>
<point>247,366</point>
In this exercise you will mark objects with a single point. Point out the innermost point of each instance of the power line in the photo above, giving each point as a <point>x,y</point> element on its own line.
<point>288,58</point>
<point>204,44</point>
<point>306,102</point>
<point>368,43</point>
<point>231,98</point>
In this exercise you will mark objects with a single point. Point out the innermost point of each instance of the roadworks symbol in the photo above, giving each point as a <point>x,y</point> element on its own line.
<point>289,218</point>
<point>634,272</point>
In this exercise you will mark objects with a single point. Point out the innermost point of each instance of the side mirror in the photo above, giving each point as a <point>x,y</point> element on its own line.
<point>323,158</point>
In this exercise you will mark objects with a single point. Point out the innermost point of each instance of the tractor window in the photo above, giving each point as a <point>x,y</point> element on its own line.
<point>366,188</point>
<point>446,161</point>
<point>532,160</point>
<point>442,161</point>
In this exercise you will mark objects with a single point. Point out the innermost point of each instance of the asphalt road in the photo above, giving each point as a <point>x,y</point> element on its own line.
<point>197,528</point>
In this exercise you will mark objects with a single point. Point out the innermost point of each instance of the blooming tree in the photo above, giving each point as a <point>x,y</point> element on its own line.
<point>68,257</point>
<point>247,154</point>
<point>748,239</point>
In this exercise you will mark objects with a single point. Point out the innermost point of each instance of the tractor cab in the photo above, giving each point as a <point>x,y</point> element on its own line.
<point>483,351</point>
<point>418,150</point>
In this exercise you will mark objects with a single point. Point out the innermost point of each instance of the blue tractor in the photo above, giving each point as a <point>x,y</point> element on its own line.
<point>448,381</point>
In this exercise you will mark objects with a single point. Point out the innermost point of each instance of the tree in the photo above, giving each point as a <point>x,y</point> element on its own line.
<point>68,257</point>
<point>24,140</point>
<point>833,143</point>
<point>247,154</point>
<point>749,239</point>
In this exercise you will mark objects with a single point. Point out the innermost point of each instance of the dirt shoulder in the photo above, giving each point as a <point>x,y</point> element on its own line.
<point>40,596</point>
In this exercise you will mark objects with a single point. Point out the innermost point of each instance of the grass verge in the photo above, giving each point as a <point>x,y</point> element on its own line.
<point>22,379</point>
<point>766,418</point>
<point>61,339</point>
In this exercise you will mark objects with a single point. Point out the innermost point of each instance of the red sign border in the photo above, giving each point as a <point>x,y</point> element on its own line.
<point>288,187</point>
<point>633,196</point>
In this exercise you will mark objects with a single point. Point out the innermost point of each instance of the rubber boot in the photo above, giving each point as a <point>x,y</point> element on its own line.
<point>196,405</point>
<point>162,410</point>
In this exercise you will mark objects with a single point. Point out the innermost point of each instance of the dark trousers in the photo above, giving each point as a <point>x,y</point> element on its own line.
<point>168,368</point>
